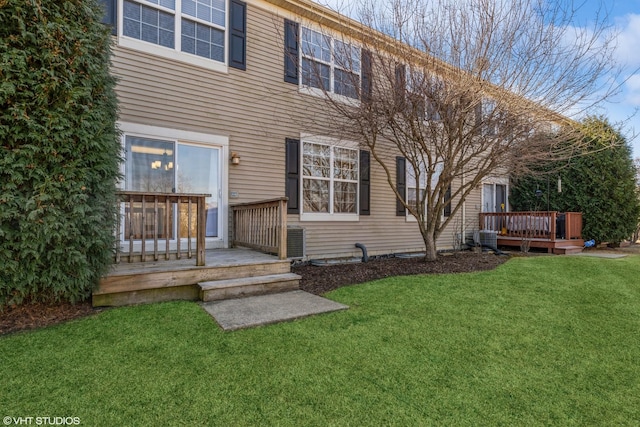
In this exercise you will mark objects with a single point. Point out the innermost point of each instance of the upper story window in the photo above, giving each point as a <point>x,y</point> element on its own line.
<point>207,33</point>
<point>329,179</point>
<point>424,91</point>
<point>488,117</point>
<point>322,63</point>
<point>329,64</point>
<point>196,27</point>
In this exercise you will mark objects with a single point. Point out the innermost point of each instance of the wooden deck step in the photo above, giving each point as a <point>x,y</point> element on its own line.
<point>567,250</point>
<point>246,286</point>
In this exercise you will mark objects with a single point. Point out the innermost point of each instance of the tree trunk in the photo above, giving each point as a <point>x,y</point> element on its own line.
<point>430,247</point>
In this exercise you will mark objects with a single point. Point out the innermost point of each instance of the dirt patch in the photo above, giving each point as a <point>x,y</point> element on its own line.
<point>319,280</point>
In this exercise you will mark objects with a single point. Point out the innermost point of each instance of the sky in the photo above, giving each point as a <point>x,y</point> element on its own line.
<point>624,17</point>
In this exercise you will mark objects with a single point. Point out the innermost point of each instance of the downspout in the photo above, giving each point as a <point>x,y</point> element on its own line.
<point>463,239</point>
<point>365,257</point>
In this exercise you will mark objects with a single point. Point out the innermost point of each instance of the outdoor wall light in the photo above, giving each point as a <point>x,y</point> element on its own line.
<point>235,158</point>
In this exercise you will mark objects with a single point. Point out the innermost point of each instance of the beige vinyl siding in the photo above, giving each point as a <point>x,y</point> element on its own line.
<point>255,109</point>
<point>473,208</point>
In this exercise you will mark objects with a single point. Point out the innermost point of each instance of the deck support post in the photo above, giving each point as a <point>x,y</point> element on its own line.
<point>282,239</point>
<point>201,232</point>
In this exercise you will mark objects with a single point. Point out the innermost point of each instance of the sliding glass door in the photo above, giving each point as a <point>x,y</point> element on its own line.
<point>494,198</point>
<point>198,172</point>
<point>166,166</point>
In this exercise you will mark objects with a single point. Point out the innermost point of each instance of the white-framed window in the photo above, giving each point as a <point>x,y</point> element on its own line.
<point>415,181</point>
<point>330,181</point>
<point>192,31</point>
<point>419,181</point>
<point>489,117</point>
<point>329,64</point>
<point>424,91</point>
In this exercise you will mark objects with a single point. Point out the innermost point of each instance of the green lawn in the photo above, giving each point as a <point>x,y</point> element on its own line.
<point>539,341</point>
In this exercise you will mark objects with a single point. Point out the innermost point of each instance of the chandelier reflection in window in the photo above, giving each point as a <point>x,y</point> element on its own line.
<point>165,163</point>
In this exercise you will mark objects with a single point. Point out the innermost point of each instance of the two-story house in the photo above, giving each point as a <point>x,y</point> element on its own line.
<point>217,97</point>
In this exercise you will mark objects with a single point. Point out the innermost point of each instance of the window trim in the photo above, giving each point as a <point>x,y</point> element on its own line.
<point>175,53</point>
<point>431,113</point>
<point>329,216</point>
<point>333,65</point>
<point>493,182</point>
<point>191,138</point>
<point>486,109</point>
<point>434,178</point>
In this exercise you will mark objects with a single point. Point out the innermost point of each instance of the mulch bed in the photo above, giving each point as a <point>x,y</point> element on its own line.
<point>316,280</point>
<point>34,315</point>
<point>319,280</point>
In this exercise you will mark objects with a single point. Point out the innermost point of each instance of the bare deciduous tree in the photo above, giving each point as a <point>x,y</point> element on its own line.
<point>462,90</point>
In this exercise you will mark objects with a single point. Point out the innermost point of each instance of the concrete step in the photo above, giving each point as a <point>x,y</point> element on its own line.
<point>259,310</point>
<point>247,286</point>
<point>567,250</point>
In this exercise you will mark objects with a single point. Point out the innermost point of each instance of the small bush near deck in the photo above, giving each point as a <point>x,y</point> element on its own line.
<point>59,150</point>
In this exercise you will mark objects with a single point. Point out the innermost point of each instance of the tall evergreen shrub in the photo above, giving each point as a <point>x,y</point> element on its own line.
<point>59,149</point>
<point>601,184</point>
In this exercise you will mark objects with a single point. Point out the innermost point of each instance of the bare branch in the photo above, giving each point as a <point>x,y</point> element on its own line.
<point>462,90</point>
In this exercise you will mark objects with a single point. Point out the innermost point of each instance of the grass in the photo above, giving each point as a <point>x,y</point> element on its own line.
<point>539,341</point>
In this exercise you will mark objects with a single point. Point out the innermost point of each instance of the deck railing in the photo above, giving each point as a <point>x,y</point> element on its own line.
<point>147,219</point>
<point>261,226</point>
<point>534,225</point>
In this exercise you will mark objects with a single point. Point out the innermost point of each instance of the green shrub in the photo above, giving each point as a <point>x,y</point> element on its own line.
<point>59,149</point>
<point>601,184</point>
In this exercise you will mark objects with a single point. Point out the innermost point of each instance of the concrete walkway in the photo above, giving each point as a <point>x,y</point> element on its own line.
<point>259,310</point>
<point>601,254</point>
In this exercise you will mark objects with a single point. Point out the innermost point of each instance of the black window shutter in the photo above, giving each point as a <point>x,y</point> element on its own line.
<point>418,104</point>
<point>478,123</point>
<point>401,184</point>
<point>401,84</point>
<point>110,14</point>
<point>292,166</point>
<point>238,34</point>
<point>366,82</point>
<point>447,200</point>
<point>365,182</point>
<point>291,51</point>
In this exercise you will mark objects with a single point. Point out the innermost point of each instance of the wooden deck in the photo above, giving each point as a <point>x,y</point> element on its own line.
<point>558,246</point>
<point>155,252</point>
<point>140,282</point>
<point>558,232</point>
